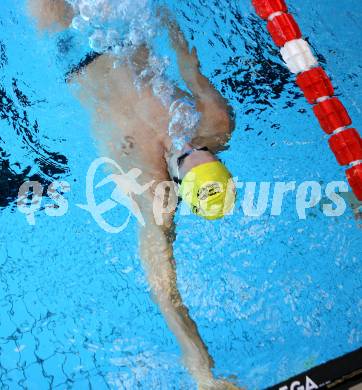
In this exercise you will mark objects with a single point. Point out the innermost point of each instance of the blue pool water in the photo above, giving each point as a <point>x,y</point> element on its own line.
<point>272,296</point>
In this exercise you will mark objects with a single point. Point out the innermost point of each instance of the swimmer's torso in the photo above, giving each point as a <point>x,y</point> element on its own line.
<point>131,124</point>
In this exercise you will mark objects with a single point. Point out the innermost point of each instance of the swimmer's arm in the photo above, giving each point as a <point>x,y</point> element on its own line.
<point>156,253</point>
<point>51,15</point>
<point>216,114</point>
<point>188,61</point>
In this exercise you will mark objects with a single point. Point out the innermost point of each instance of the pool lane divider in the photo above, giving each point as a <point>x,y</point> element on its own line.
<point>345,142</point>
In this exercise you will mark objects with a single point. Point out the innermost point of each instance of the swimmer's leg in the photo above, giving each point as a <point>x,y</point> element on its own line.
<point>53,15</point>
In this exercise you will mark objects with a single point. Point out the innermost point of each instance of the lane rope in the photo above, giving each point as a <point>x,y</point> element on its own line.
<point>345,142</point>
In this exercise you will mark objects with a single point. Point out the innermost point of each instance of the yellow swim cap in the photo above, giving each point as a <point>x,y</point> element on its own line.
<point>209,190</point>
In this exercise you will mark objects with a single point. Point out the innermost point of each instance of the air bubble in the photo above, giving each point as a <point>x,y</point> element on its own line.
<point>85,11</point>
<point>112,38</point>
<point>184,122</point>
<point>97,41</point>
<point>163,90</point>
<point>78,23</point>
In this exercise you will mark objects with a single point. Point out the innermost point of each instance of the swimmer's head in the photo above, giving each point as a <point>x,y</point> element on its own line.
<point>206,184</point>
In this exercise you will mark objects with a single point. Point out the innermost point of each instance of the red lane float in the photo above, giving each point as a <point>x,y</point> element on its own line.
<point>315,84</point>
<point>354,176</point>
<point>283,28</point>
<point>265,8</point>
<point>346,146</point>
<point>332,115</point>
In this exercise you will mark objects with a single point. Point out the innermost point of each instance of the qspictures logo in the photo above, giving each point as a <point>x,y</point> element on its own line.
<point>308,384</point>
<point>30,196</point>
<point>253,199</point>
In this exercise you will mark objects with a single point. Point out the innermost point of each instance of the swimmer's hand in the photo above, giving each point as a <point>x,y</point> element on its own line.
<point>178,40</point>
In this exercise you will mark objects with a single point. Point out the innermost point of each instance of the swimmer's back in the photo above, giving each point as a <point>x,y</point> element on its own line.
<point>131,125</point>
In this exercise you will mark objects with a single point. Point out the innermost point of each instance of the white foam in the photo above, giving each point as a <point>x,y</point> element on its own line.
<point>119,27</point>
<point>184,122</point>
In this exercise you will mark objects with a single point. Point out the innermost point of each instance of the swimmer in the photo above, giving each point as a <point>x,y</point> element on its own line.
<point>131,126</point>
